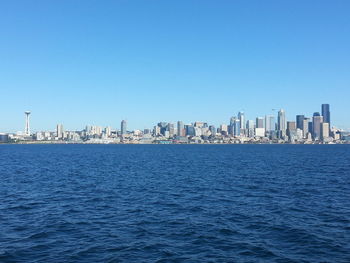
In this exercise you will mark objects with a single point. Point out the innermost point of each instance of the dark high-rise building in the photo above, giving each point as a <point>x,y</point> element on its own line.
<point>326,114</point>
<point>300,121</point>
<point>310,127</point>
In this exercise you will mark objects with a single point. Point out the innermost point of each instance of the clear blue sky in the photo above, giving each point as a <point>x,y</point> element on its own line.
<point>98,62</point>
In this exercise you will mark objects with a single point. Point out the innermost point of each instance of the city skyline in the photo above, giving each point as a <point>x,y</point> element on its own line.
<point>266,121</point>
<point>138,61</point>
<point>302,130</point>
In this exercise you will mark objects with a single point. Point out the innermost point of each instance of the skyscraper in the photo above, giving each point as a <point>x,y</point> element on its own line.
<point>231,128</point>
<point>241,119</point>
<point>180,129</point>
<point>237,128</point>
<point>281,123</point>
<point>324,130</point>
<point>326,114</point>
<point>317,119</point>
<point>269,123</point>
<point>171,129</point>
<point>60,131</point>
<point>300,121</point>
<point>306,127</point>
<point>291,128</point>
<point>123,127</point>
<point>250,128</point>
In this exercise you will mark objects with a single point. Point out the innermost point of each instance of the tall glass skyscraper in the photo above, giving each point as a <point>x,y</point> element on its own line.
<point>269,123</point>
<point>281,123</point>
<point>241,119</point>
<point>123,127</point>
<point>300,121</point>
<point>326,113</point>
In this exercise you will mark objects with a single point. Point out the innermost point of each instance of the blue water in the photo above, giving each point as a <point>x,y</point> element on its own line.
<point>174,203</point>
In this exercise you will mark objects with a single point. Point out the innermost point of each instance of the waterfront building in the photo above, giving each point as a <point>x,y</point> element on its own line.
<point>39,136</point>
<point>4,137</point>
<point>260,132</point>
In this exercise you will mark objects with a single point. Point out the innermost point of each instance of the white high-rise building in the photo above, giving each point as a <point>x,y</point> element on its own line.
<point>241,119</point>
<point>60,131</point>
<point>282,123</point>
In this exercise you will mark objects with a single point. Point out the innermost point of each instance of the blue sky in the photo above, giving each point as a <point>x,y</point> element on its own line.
<point>98,62</point>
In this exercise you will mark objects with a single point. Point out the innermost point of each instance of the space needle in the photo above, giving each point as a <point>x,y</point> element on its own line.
<point>27,127</point>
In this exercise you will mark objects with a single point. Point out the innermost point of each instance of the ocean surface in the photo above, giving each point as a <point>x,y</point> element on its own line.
<point>174,203</point>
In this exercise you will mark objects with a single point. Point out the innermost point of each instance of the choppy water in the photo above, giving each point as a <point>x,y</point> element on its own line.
<point>174,203</point>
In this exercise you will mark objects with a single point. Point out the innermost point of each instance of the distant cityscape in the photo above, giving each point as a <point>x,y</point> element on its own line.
<point>303,130</point>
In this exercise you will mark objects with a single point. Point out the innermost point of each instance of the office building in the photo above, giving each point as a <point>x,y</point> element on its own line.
<point>300,121</point>
<point>269,123</point>
<point>305,127</point>
<point>250,128</point>
<point>291,129</point>
<point>171,129</point>
<point>259,122</point>
<point>317,119</point>
<point>181,129</point>
<point>326,114</point>
<point>324,131</point>
<point>59,131</point>
<point>123,128</point>
<point>281,124</point>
